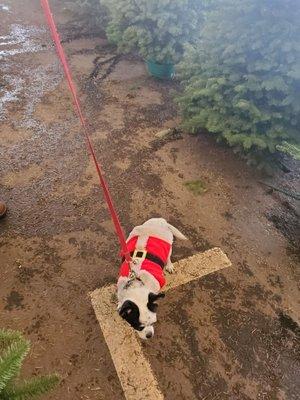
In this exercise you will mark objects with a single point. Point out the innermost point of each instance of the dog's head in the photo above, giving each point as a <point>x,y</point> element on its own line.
<point>139,310</point>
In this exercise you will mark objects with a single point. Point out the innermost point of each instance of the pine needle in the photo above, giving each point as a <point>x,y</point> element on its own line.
<point>13,349</point>
<point>31,388</point>
<point>7,337</point>
<point>11,361</point>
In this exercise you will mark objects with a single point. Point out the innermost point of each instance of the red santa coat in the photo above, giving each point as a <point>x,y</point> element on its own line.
<point>158,248</point>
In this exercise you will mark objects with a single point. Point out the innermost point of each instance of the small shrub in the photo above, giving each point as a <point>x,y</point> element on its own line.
<point>13,350</point>
<point>242,78</point>
<point>156,29</point>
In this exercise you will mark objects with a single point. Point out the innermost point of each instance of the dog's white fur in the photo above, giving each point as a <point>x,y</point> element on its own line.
<point>138,291</point>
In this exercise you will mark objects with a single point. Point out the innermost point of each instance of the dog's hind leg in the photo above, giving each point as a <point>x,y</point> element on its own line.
<point>176,232</point>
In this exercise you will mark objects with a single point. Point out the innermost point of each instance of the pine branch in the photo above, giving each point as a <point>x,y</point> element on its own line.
<point>31,388</point>
<point>7,337</point>
<point>290,149</point>
<point>235,88</point>
<point>11,361</point>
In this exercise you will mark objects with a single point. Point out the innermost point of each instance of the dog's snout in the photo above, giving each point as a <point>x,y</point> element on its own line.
<point>147,333</point>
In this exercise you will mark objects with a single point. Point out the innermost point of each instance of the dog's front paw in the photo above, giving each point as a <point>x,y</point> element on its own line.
<point>170,268</point>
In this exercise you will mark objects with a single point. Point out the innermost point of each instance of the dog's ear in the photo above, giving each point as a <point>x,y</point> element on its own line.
<point>126,309</point>
<point>130,312</point>
<point>152,297</point>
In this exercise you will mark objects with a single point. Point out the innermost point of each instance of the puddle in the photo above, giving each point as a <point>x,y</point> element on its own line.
<point>21,39</point>
<point>44,80</point>
<point>10,88</point>
<point>4,7</point>
<point>11,136</point>
<point>34,83</point>
<point>30,84</point>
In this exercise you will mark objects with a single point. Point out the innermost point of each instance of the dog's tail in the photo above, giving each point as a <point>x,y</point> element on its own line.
<point>177,233</point>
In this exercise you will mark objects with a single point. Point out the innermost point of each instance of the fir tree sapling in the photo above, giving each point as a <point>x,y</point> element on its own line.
<point>13,349</point>
<point>156,29</point>
<point>242,78</point>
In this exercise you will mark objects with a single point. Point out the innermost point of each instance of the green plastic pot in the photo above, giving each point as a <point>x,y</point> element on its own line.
<point>160,70</point>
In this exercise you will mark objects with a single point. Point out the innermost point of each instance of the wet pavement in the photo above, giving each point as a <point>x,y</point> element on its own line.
<point>233,335</point>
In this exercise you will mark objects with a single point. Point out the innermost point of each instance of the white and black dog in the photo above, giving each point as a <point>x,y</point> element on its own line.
<point>150,246</point>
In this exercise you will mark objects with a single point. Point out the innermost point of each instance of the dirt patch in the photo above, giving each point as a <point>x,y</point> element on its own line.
<point>11,135</point>
<point>123,165</point>
<point>130,90</point>
<point>83,44</point>
<point>111,109</point>
<point>287,221</point>
<point>22,178</point>
<point>83,63</point>
<point>128,70</point>
<point>50,109</point>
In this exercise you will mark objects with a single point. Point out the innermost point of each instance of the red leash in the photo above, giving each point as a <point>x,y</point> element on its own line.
<point>103,184</point>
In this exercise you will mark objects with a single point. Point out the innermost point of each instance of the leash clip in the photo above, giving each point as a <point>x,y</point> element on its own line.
<point>137,257</point>
<point>132,275</point>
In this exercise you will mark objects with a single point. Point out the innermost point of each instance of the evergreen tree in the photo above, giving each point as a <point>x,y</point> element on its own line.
<point>242,78</point>
<point>13,350</point>
<point>157,29</point>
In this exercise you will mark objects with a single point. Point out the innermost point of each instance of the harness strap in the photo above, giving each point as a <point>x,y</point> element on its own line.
<point>148,256</point>
<point>77,106</point>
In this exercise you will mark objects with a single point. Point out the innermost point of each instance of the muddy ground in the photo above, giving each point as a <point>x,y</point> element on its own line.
<point>232,335</point>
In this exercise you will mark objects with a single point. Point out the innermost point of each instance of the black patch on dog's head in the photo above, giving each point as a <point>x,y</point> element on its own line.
<point>131,313</point>
<point>152,297</point>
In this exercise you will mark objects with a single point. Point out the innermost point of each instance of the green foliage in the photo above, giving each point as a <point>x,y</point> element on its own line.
<point>291,149</point>
<point>13,350</point>
<point>157,29</point>
<point>29,389</point>
<point>197,187</point>
<point>242,78</point>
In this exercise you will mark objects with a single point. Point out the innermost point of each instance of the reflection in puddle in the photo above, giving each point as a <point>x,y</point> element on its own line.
<point>43,80</point>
